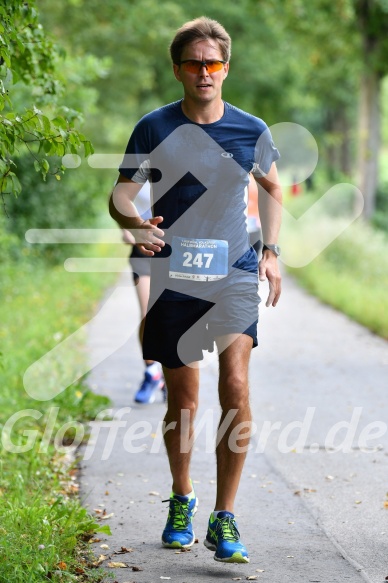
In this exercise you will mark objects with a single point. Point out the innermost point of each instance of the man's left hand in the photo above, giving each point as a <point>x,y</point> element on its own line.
<point>269,269</point>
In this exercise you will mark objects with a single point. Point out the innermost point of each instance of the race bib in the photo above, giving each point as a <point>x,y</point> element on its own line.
<point>198,259</point>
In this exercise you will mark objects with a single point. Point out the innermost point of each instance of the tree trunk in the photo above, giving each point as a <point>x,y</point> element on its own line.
<point>369,139</point>
<point>345,153</point>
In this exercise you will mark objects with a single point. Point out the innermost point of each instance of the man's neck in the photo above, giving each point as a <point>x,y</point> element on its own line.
<point>203,113</point>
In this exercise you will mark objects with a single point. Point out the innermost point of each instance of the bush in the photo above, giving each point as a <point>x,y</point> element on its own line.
<point>380,217</point>
<point>73,202</point>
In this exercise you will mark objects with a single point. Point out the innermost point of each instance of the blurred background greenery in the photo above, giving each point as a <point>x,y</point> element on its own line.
<point>96,67</point>
<point>323,65</point>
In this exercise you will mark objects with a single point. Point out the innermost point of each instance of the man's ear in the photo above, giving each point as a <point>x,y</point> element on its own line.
<point>176,72</point>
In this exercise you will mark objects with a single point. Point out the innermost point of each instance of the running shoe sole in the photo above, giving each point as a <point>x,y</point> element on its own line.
<point>235,558</point>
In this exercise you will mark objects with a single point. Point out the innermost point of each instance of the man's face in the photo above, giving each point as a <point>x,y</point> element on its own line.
<point>203,86</point>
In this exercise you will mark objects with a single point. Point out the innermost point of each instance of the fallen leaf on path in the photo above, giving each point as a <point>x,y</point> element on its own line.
<point>135,568</point>
<point>260,571</point>
<point>100,560</point>
<point>104,547</point>
<point>114,565</point>
<point>123,550</point>
<point>252,578</point>
<point>385,504</point>
<point>153,493</point>
<point>107,516</point>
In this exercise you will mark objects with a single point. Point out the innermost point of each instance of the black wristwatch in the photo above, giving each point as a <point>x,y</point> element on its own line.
<point>275,249</point>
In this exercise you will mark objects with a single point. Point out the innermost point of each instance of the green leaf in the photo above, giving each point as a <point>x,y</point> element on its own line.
<point>46,124</point>
<point>6,56</point>
<point>104,529</point>
<point>45,165</point>
<point>60,122</point>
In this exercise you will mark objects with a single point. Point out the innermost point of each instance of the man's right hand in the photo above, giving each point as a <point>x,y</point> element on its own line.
<point>147,236</point>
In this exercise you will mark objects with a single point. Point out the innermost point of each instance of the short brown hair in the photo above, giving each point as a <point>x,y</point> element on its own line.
<point>202,28</point>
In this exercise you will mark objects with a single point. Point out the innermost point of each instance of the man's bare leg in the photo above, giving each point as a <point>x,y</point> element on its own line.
<point>234,395</point>
<point>182,394</point>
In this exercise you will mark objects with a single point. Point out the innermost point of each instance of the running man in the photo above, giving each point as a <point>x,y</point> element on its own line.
<point>197,154</point>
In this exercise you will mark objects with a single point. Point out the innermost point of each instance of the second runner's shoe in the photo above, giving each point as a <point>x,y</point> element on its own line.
<point>148,388</point>
<point>223,537</point>
<point>178,532</point>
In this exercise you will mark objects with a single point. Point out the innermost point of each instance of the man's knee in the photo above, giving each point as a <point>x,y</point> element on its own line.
<point>234,392</point>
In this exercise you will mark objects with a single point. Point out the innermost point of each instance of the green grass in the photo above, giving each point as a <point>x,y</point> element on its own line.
<point>42,523</point>
<point>351,274</point>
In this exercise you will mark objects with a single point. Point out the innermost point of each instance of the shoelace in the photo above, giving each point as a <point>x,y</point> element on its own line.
<point>179,513</point>
<point>226,528</point>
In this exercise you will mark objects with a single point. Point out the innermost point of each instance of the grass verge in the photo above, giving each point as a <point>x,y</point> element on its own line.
<point>42,522</point>
<point>351,273</point>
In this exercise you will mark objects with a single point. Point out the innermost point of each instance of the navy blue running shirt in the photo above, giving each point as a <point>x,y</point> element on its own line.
<point>199,179</point>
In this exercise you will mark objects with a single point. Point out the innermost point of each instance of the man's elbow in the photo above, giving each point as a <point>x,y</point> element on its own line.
<point>112,210</point>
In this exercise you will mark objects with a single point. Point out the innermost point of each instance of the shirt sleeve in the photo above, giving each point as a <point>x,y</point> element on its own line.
<point>265,154</point>
<point>136,162</point>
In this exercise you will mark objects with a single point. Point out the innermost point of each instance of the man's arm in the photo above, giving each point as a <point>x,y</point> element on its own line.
<point>270,205</point>
<point>123,210</point>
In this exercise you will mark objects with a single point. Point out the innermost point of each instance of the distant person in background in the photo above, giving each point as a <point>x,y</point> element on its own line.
<point>253,222</point>
<point>296,188</point>
<point>153,381</point>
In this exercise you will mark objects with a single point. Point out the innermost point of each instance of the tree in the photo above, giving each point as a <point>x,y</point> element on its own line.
<point>29,73</point>
<point>372,21</point>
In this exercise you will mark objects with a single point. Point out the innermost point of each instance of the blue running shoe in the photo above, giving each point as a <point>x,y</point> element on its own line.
<point>178,532</point>
<point>223,537</point>
<point>148,388</point>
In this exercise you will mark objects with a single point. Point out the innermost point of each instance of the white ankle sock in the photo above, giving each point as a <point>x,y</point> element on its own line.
<point>189,495</point>
<point>216,512</point>
<point>154,369</point>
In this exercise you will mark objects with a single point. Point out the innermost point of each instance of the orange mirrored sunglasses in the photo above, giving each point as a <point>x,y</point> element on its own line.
<point>194,66</point>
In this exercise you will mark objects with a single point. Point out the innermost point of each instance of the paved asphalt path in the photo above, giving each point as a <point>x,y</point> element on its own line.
<point>311,502</point>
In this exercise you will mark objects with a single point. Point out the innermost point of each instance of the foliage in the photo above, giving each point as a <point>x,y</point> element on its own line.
<point>372,20</point>
<point>380,217</point>
<point>42,521</point>
<point>74,202</point>
<point>28,58</point>
<point>353,263</point>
